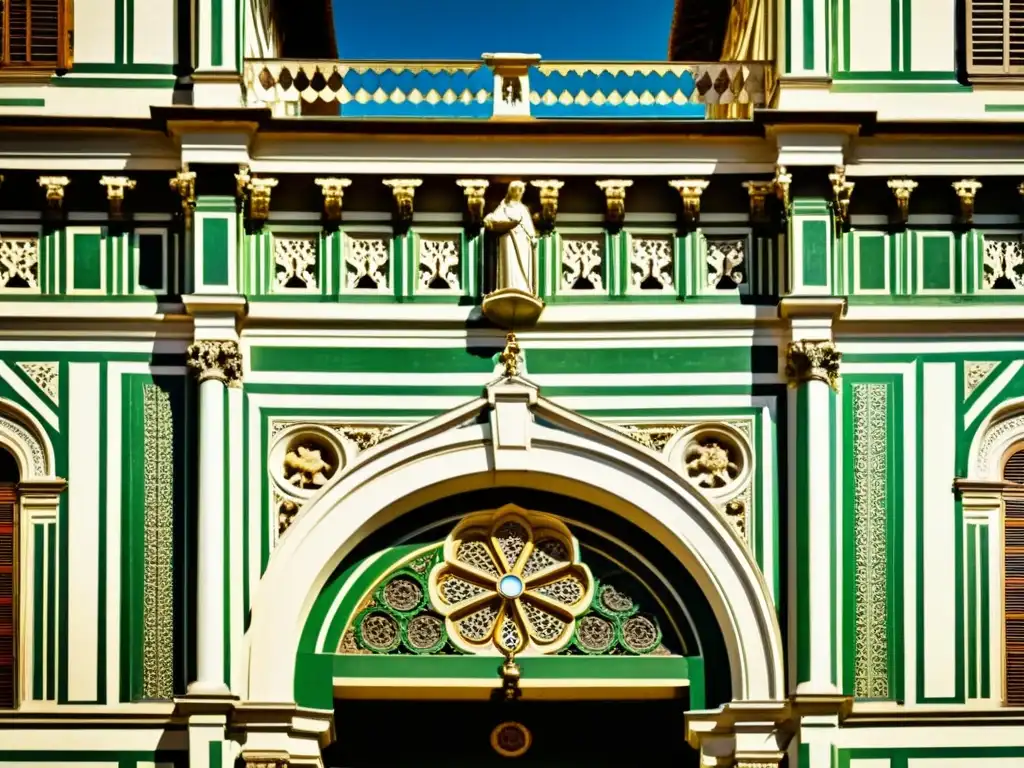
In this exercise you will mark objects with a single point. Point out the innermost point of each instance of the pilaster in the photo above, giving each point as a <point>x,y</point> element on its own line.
<point>218,53</point>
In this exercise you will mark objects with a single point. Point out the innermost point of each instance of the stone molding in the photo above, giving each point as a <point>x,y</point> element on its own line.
<point>217,360</point>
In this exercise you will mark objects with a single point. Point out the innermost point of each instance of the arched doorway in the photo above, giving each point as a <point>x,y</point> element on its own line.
<point>632,662</point>
<point>630,514</point>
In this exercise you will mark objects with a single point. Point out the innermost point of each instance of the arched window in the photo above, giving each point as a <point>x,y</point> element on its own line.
<point>8,580</point>
<point>1013,573</point>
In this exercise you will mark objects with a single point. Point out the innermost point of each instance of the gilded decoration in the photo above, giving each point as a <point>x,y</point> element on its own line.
<point>548,213</point>
<point>403,191</point>
<point>184,184</point>
<point>510,581</point>
<point>813,361</point>
<point>400,614</point>
<point>902,189</point>
<point>158,545</point>
<point>842,191</point>
<point>615,200</point>
<point>19,263</point>
<point>257,191</point>
<point>46,376</point>
<point>55,186</point>
<point>966,192</point>
<point>333,190</point>
<point>511,356</point>
<point>871,568</point>
<point>474,189</point>
<point>759,192</point>
<point>116,186</point>
<point>782,182</point>
<point>511,739</point>
<point>218,360</point>
<point>690,192</point>
<point>975,374</point>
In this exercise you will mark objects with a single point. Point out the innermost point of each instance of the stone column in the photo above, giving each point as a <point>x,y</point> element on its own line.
<point>812,367</point>
<point>217,365</point>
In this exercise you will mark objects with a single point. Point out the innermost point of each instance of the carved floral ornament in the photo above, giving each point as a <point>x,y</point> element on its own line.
<point>216,360</point>
<point>511,581</point>
<point>813,361</point>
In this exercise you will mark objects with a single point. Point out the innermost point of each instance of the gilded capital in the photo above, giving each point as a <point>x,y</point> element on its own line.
<point>813,361</point>
<point>218,360</point>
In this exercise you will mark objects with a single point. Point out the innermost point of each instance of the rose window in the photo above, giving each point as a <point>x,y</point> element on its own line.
<point>511,581</point>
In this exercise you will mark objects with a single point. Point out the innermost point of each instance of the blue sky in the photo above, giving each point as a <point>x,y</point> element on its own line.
<point>617,30</point>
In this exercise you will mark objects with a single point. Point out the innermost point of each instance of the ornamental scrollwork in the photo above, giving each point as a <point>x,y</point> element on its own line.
<point>813,361</point>
<point>217,360</point>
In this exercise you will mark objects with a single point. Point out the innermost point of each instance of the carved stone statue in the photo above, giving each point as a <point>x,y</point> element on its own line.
<point>517,241</point>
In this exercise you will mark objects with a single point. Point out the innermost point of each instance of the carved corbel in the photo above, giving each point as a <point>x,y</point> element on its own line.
<point>782,182</point>
<point>54,191</point>
<point>242,179</point>
<point>258,190</point>
<point>333,190</point>
<point>901,190</point>
<point>548,214</point>
<point>474,190</point>
<point>403,190</point>
<point>759,192</point>
<point>615,200</point>
<point>116,186</point>
<point>690,191</point>
<point>842,190</point>
<point>967,190</point>
<point>184,184</point>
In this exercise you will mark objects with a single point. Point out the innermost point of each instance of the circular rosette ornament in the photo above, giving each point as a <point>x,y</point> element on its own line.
<point>512,581</point>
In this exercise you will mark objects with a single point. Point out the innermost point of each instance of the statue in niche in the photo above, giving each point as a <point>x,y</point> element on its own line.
<point>517,241</point>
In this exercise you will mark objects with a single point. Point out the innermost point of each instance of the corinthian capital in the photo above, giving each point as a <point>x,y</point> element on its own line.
<point>219,360</point>
<point>813,361</point>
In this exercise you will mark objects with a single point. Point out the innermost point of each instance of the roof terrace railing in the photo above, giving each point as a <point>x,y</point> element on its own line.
<point>516,86</point>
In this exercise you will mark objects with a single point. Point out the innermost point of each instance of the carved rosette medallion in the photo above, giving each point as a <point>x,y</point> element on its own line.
<point>219,360</point>
<point>813,361</point>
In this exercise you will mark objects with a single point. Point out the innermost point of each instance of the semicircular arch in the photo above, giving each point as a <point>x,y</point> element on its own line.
<point>448,456</point>
<point>25,438</point>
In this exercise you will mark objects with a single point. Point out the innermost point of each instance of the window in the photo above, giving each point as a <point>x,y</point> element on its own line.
<point>995,38</point>
<point>8,579</point>
<point>1013,549</point>
<point>36,34</point>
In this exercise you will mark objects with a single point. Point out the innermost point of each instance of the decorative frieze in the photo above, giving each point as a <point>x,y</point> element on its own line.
<point>1003,263</point>
<point>295,262</point>
<point>652,263</point>
<point>690,192</point>
<point>615,200</point>
<point>367,262</point>
<point>440,258</point>
<point>46,377</point>
<point>218,360</point>
<point>19,264</point>
<point>870,532</point>
<point>333,190</point>
<point>813,361</point>
<point>582,262</point>
<point>475,190</point>
<point>726,259</point>
<point>158,545</point>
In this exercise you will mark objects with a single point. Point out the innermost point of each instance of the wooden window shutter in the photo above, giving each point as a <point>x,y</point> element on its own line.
<point>995,38</point>
<point>1013,577</point>
<point>37,34</point>
<point>8,605</point>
